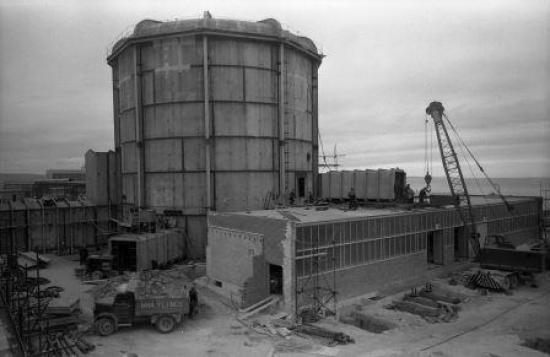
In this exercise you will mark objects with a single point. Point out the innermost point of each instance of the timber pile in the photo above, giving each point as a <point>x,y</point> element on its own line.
<point>333,336</point>
<point>32,260</point>
<point>64,343</point>
<point>492,280</point>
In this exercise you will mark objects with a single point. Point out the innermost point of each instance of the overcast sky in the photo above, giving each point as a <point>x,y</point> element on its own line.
<point>487,61</point>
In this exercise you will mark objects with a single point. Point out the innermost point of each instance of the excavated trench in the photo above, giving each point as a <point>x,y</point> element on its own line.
<point>368,322</point>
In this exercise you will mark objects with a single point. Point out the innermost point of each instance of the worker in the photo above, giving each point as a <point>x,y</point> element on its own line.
<point>409,193</point>
<point>292,197</point>
<point>83,255</point>
<point>352,199</point>
<point>193,301</point>
<point>423,195</point>
<point>310,198</point>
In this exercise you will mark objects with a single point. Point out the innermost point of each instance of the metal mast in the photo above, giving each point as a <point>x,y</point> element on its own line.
<point>453,172</point>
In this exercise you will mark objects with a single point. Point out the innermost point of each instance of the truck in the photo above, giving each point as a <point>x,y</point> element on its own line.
<point>126,310</point>
<point>155,297</point>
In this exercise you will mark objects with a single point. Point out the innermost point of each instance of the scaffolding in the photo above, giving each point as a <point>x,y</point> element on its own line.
<point>25,304</point>
<point>316,289</point>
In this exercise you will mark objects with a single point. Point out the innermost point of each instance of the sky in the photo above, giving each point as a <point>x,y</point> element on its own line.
<point>488,62</point>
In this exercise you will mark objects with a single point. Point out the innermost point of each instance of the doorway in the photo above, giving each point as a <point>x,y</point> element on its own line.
<point>124,255</point>
<point>460,243</point>
<point>275,279</point>
<point>430,247</point>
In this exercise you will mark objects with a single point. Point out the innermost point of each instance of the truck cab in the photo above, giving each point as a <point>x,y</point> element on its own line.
<point>125,310</point>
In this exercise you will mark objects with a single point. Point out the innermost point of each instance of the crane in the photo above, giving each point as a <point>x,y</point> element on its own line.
<point>453,172</point>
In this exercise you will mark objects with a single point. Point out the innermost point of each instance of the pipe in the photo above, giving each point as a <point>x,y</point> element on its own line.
<point>282,188</point>
<point>43,238</point>
<point>206,118</point>
<point>139,131</point>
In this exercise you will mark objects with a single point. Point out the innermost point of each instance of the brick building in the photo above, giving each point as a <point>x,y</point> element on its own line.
<point>307,256</point>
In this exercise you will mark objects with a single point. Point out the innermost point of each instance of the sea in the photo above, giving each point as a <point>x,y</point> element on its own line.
<point>507,186</point>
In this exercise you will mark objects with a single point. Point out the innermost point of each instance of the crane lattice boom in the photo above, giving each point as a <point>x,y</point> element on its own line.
<point>453,172</point>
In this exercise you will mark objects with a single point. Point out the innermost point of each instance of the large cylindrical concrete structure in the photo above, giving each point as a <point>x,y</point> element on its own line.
<point>214,114</point>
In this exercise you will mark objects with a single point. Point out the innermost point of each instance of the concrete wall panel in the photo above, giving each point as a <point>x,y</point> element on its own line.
<point>129,158</point>
<point>179,119</point>
<point>193,189</point>
<point>196,232</point>
<point>163,155</point>
<point>227,83</point>
<point>260,85</point>
<point>245,119</point>
<point>243,190</point>
<point>194,151</point>
<point>244,154</point>
<point>164,190</point>
<point>129,188</point>
<point>172,52</point>
<point>127,126</point>
<point>178,84</point>
<point>243,53</point>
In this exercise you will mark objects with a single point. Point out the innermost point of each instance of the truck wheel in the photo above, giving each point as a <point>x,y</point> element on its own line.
<point>165,324</point>
<point>105,326</point>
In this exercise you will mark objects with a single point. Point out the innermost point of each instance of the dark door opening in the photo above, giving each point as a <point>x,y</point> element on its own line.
<point>124,256</point>
<point>430,247</point>
<point>456,235</point>
<point>301,186</point>
<point>460,244</point>
<point>275,279</point>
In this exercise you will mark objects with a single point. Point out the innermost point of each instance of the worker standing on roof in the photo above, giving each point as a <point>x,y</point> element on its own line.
<point>409,193</point>
<point>193,301</point>
<point>423,195</point>
<point>352,199</point>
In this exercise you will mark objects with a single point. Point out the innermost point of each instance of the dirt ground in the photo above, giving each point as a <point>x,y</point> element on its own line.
<point>492,325</point>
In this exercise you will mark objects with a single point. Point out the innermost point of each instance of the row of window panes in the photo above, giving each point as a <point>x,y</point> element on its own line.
<point>341,256</point>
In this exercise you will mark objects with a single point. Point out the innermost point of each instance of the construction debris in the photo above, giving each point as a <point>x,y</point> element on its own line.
<point>333,336</point>
<point>431,303</point>
<point>258,307</point>
<point>167,283</point>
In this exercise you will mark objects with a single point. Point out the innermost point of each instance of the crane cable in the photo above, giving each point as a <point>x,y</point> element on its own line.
<point>495,187</point>
<point>431,148</point>
<point>323,149</point>
<point>472,171</point>
<point>428,162</point>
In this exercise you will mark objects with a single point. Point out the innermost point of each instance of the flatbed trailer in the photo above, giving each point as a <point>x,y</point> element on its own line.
<point>531,261</point>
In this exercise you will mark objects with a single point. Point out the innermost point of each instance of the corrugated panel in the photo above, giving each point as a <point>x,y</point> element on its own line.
<point>360,184</point>
<point>347,182</point>
<point>372,185</point>
<point>335,185</point>
<point>386,181</point>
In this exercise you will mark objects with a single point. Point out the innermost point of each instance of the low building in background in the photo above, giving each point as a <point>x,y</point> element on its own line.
<point>76,175</point>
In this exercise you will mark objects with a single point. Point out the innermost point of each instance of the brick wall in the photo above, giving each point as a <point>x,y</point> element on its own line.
<point>363,279</point>
<point>273,231</point>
